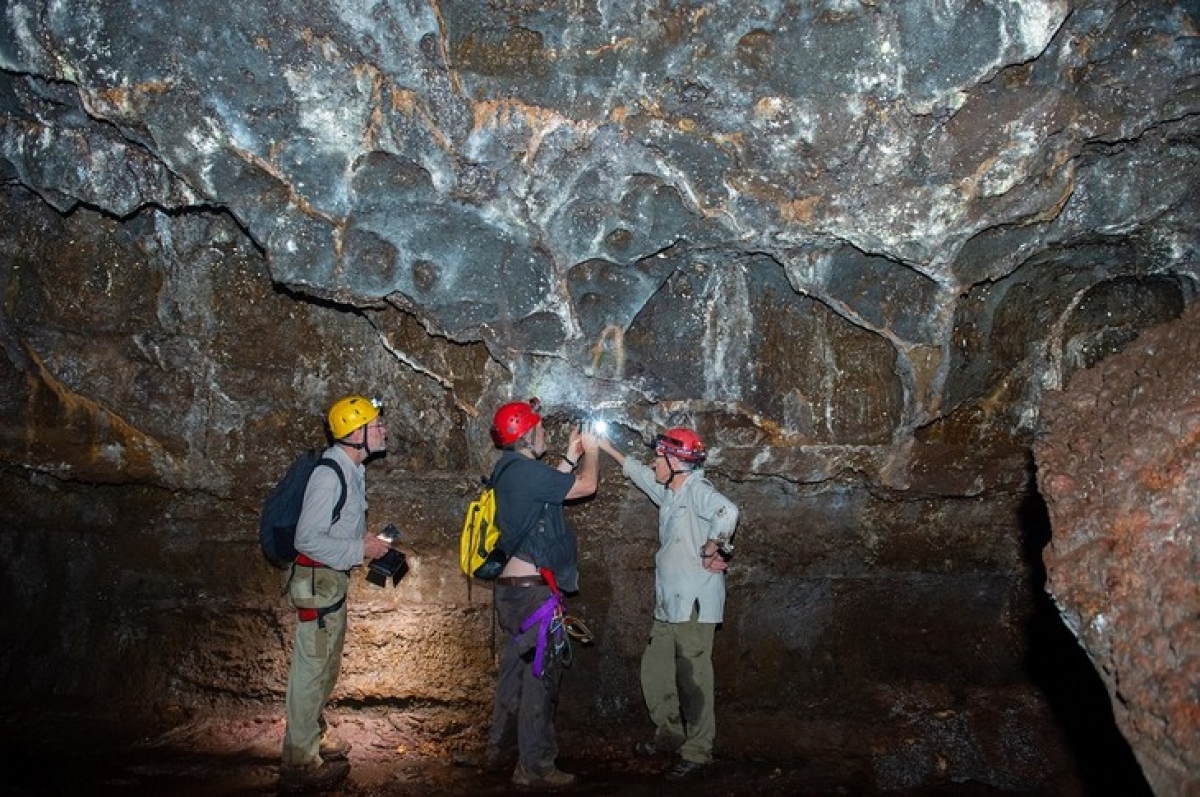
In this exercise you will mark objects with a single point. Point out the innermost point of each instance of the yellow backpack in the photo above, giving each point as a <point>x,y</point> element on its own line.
<point>478,555</point>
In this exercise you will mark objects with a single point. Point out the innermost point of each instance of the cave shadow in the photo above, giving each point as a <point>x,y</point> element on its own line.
<point>1059,667</point>
<point>126,772</point>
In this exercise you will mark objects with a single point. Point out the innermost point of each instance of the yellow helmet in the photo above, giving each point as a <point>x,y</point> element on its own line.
<point>350,413</point>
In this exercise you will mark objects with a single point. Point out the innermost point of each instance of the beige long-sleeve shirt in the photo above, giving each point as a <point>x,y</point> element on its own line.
<point>687,519</point>
<point>338,545</point>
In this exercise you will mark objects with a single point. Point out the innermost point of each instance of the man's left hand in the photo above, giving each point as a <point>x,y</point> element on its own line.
<point>711,559</point>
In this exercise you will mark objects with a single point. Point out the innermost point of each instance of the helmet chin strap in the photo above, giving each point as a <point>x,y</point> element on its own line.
<point>525,445</point>
<point>673,473</point>
<point>364,445</point>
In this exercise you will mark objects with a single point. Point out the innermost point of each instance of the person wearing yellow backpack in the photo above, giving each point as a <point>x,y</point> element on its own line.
<point>542,564</point>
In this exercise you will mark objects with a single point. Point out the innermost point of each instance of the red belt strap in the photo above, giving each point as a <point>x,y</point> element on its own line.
<point>308,615</point>
<point>548,574</point>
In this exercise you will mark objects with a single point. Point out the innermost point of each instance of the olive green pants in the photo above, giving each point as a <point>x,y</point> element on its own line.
<point>316,664</point>
<point>678,685</point>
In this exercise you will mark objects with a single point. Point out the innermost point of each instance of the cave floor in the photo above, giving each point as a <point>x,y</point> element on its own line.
<point>238,755</point>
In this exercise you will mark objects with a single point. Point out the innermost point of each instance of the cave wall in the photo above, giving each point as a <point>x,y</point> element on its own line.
<point>1118,464</point>
<point>854,244</point>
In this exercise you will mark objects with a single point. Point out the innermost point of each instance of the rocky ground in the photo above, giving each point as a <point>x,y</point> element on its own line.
<point>239,756</point>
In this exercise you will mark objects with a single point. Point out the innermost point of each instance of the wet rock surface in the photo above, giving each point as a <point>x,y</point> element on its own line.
<point>858,219</point>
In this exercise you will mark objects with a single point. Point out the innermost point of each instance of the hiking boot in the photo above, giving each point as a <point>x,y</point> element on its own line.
<point>553,778</point>
<point>490,760</point>
<point>659,745</point>
<point>334,749</point>
<point>684,769</point>
<point>294,780</point>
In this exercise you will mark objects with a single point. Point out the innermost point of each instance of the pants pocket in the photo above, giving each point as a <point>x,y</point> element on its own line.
<point>314,587</point>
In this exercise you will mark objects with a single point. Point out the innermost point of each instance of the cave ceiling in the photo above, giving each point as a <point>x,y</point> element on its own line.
<point>868,227</point>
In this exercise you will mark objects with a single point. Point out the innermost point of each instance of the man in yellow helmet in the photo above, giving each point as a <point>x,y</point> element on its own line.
<point>329,544</point>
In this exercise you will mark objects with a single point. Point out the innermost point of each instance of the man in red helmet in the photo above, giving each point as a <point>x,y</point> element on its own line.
<point>542,563</point>
<point>695,535</point>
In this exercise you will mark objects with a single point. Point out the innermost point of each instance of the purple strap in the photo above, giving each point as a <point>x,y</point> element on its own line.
<point>542,617</point>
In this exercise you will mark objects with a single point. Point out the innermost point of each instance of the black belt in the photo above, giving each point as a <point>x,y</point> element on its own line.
<point>521,581</point>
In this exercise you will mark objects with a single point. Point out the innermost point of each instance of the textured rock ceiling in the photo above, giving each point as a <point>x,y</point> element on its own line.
<point>839,220</point>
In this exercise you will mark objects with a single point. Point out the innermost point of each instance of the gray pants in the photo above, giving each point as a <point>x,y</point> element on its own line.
<point>524,704</point>
<point>678,685</point>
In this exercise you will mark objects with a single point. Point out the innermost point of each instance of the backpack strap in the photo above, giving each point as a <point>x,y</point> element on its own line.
<point>491,482</point>
<point>337,515</point>
<point>341,502</point>
<point>495,477</point>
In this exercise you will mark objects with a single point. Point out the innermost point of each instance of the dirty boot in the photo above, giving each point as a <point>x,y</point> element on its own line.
<point>684,769</point>
<point>327,776</point>
<point>553,778</point>
<point>490,760</point>
<point>334,749</point>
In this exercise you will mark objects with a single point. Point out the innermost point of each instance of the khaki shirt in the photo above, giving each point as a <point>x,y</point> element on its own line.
<point>687,519</point>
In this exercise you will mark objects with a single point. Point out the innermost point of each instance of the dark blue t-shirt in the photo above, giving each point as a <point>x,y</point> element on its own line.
<point>529,511</point>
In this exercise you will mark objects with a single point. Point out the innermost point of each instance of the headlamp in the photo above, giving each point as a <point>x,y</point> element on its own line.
<point>662,444</point>
<point>683,449</point>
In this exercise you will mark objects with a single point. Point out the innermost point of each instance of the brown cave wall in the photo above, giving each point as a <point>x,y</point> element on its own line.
<point>891,630</point>
<point>1119,463</point>
<point>158,350</point>
<point>891,624</point>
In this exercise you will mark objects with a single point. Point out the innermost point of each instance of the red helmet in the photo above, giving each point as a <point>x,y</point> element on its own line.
<point>683,444</point>
<point>513,420</point>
